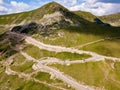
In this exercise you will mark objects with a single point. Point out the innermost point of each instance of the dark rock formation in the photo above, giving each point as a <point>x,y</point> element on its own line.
<point>28,28</point>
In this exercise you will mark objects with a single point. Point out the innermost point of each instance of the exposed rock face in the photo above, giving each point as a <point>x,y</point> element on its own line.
<point>28,28</point>
<point>49,22</point>
<point>56,20</point>
<point>49,19</point>
<point>10,43</point>
<point>16,29</point>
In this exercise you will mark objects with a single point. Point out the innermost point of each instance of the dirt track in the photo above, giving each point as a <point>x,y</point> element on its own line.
<point>41,65</point>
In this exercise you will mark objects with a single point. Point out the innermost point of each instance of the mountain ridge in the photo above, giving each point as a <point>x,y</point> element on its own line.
<point>37,14</point>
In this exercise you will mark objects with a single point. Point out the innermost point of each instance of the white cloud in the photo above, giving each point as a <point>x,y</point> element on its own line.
<point>1,2</point>
<point>97,8</point>
<point>67,2</point>
<point>2,8</point>
<point>12,7</point>
<point>18,6</point>
<point>90,1</point>
<point>70,2</point>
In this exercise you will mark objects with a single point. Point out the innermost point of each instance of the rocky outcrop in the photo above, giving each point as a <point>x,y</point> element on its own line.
<point>47,23</point>
<point>28,28</point>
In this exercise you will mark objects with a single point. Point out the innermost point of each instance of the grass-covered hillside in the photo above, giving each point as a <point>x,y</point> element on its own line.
<point>34,15</point>
<point>30,15</point>
<point>86,15</point>
<point>113,19</point>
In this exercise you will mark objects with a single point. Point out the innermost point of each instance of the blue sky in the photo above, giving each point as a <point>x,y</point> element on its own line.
<point>97,7</point>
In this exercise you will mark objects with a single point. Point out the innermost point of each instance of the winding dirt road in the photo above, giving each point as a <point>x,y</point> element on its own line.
<point>41,45</point>
<point>28,77</point>
<point>41,65</point>
<point>9,71</point>
<point>61,76</point>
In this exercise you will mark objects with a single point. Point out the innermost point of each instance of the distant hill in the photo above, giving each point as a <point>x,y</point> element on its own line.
<point>113,19</point>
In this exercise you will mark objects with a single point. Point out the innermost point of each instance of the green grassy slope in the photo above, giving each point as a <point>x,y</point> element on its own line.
<point>86,15</point>
<point>107,47</point>
<point>113,19</point>
<point>100,74</point>
<point>38,54</point>
<point>73,37</point>
<point>33,15</point>
<point>14,18</point>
